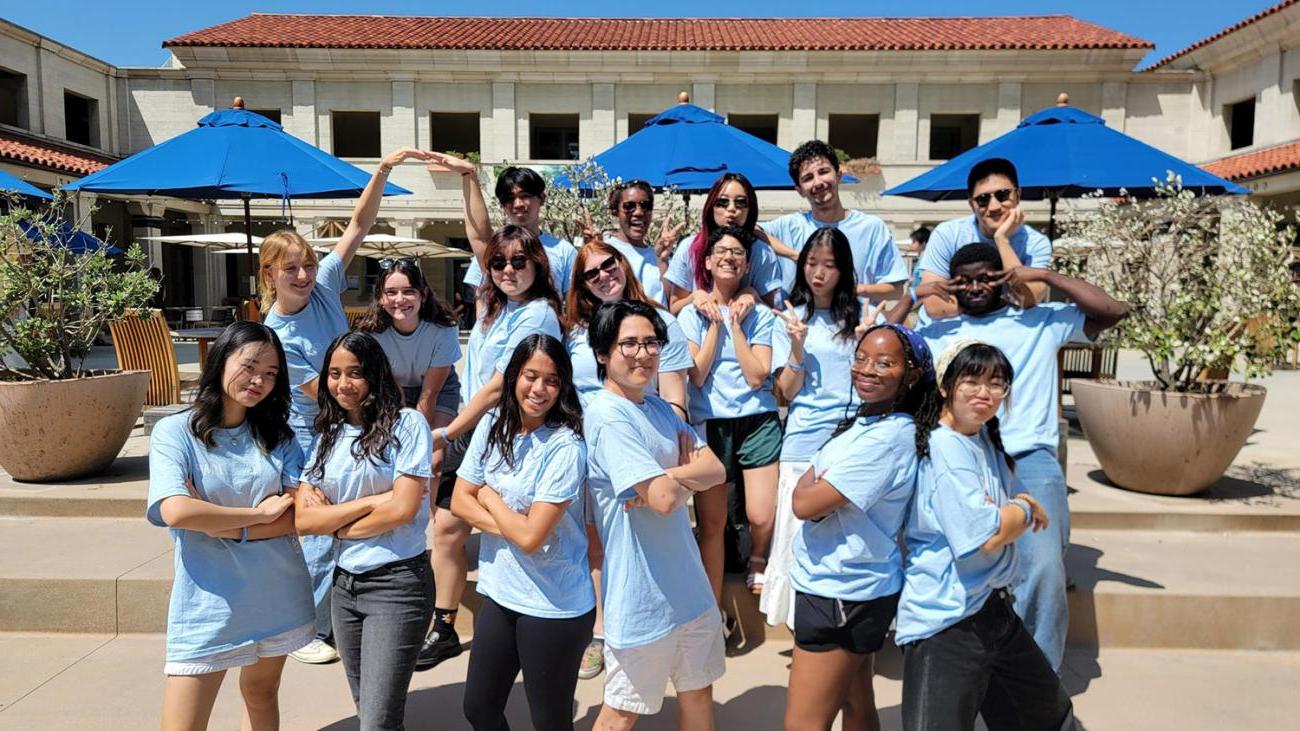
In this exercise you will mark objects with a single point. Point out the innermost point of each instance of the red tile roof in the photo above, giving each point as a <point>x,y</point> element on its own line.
<point>1053,32</point>
<point>1230,29</point>
<point>31,151</point>
<point>1259,163</point>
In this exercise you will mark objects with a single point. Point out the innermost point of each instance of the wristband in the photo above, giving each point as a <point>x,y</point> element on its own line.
<point>445,439</point>
<point>794,367</point>
<point>243,536</point>
<point>1020,503</point>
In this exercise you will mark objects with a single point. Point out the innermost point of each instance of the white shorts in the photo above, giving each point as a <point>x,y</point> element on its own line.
<point>273,646</point>
<point>691,656</point>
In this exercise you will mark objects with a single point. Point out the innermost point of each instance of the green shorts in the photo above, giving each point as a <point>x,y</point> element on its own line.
<point>745,442</point>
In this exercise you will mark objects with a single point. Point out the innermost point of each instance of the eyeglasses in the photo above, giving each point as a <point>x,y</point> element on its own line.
<point>404,262</point>
<point>969,387</point>
<point>631,348</point>
<point>724,203</point>
<point>1002,194</point>
<point>735,251</point>
<point>499,263</point>
<point>630,206</point>
<point>881,367</point>
<point>608,266</point>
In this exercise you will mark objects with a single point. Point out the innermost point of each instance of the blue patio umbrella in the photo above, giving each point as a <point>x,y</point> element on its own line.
<point>12,184</point>
<point>687,148</point>
<point>1065,152</point>
<point>78,242</point>
<point>233,154</point>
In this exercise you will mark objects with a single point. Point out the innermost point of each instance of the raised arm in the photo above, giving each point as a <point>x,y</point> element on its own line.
<point>363,215</point>
<point>936,295</point>
<point>1010,259</point>
<point>400,508</point>
<point>478,224</point>
<point>1101,311</point>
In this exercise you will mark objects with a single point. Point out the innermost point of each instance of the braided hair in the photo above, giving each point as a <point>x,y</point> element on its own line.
<point>913,399</point>
<point>974,360</point>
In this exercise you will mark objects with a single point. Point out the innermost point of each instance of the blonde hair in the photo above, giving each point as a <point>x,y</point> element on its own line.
<point>275,248</point>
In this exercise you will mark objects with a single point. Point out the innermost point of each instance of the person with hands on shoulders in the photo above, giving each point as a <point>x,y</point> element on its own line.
<point>990,300</point>
<point>241,597</point>
<point>366,486</point>
<point>966,651</point>
<point>643,464</point>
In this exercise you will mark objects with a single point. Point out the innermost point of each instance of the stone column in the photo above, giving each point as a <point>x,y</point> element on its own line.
<point>703,95</point>
<point>301,122</point>
<point>147,220</point>
<point>212,287</point>
<point>1008,115</point>
<point>906,120</point>
<point>503,144</point>
<point>204,93</point>
<point>399,128</point>
<point>600,134</point>
<point>803,125</point>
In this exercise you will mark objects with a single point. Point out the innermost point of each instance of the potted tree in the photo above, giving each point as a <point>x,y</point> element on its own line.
<point>1208,281</point>
<point>60,420</point>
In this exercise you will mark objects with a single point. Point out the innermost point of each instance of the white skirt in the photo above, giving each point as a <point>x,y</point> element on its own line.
<point>777,599</point>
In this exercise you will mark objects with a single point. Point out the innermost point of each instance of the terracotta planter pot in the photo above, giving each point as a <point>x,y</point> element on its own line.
<point>61,430</point>
<point>1162,442</point>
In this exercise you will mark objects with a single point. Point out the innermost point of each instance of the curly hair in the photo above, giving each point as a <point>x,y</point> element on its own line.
<point>380,411</point>
<point>811,150</point>
<point>566,411</point>
<point>973,361</point>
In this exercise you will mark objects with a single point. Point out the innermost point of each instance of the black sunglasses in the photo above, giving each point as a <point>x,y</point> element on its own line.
<point>630,206</point>
<point>499,263</point>
<point>1002,194</point>
<point>608,266</point>
<point>740,203</point>
<point>389,263</point>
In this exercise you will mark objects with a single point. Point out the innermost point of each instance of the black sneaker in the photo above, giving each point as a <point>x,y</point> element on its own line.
<point>436,648</point>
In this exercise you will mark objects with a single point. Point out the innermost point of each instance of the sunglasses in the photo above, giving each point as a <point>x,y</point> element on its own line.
<point>722,203</point>
<point>630,206</point>
<point>1003,195</point>
<point>608,266</point>
<point>404,262</point>
<point>499,263</point>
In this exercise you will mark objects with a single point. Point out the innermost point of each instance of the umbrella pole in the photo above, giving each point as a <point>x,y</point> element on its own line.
<point>248,242</point>
<point>1051,221</point>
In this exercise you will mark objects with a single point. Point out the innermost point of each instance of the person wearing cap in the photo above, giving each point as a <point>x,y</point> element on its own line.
<point>993,192</point>
<point>991,298</point>
<point>848,570</point>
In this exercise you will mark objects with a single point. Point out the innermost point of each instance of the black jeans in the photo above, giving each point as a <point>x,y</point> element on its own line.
<point>987,664</point>
<point>379,621</point>
<point>549,652</point>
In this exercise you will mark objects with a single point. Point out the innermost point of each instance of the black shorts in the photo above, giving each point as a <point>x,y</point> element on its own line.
<point>822,624</point>
<point>745,442</point>
<point>451,460</point>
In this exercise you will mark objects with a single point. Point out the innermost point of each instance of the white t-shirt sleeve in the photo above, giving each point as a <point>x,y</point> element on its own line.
<point>415,457</point>
<point>1038,249</point>
<point>680,272</point>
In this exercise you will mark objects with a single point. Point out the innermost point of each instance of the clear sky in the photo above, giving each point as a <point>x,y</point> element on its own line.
<point>131,33</point>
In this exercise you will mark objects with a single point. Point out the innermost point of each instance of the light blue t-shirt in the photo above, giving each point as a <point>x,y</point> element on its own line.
<point>306,335</point>
<point>960,489</point>
<point>653,580</point>
<point>827,396</point>
<point>675,356</point>
<point>726,394</point>
<point>1033,248</point>
<point>1030,339</point>
<point>764,273</point>
<point>489,349</point>
<point>348,477</point>
<point>644,265</point>
<point>853,553</point>
<point>428,346</point>
<point>554,582</point>
<point>559,254</point>
<point>875,255</point>
<point>226,594</point>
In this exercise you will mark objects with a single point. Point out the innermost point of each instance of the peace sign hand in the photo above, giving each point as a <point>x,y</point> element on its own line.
<point>870,314</point>
<point>667,242</point>
<point>795,327</point>
<point>590,233</point>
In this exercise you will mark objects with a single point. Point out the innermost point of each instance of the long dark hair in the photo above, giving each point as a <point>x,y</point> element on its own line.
<point>845,307</point>
<point>432,309</point>
<point>702,278</point>
<point>269,418</point>
<point>566,411</point>
<point>911,399</point>
<point>973,361</point>
<point>531,248</point>
<point>379,412</point>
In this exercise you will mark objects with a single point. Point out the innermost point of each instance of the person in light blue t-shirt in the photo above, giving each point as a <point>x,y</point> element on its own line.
<point>302,299</point>
<point>731,201</point>
<point>993,192</point>
<point>1031,339</point>
<point>522,483</point>
<point>217,474</point>
<point>816,174</point>
<point>643,464</point>
<point>853,498</point>
<point>632,205</point>
<point>365,485</point>
<point>519,301</point>
<point>732,395</point>
<point>965,650</point>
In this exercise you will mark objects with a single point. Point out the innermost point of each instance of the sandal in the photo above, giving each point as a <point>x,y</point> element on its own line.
<point>754,579</point>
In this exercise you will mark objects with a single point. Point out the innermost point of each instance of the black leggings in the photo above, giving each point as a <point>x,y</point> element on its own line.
<point>549,652</point>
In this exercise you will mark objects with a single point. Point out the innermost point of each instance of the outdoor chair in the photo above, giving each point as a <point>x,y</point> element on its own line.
<point>354,313</point>
<point>145,344</point>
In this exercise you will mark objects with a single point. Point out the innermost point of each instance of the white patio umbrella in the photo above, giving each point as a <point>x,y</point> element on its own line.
<point>387,245</point>
<point>210,241</point>
<point>257,250</point>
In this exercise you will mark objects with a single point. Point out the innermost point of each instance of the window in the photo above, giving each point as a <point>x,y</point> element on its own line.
<point>1240,118</point>
<point>355,134</point>
<point>271,114</point>
<point>855,134</point>
<point>454,132</point>
<point>81,119</point>
<point>953,134</point>
<point>553,136</point>
<point>13,98</point>
<point>762,126</point>
<point>636,121</point>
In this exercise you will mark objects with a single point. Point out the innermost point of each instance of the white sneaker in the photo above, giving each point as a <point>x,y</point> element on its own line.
<point>317,652</point>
